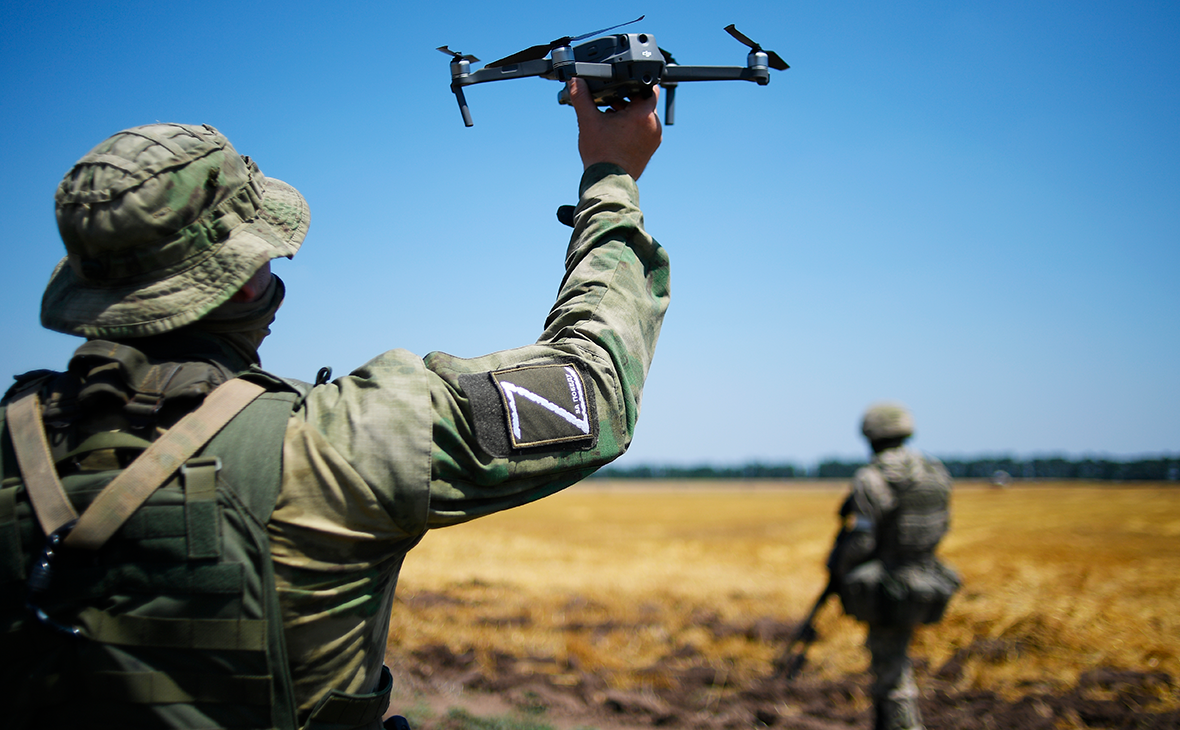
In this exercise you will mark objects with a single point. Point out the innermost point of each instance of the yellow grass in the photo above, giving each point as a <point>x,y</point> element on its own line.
<point>612,578</point>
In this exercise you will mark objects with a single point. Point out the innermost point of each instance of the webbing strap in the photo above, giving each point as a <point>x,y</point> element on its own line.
<point>119,499</point>
<point>200,507</point>
<point>158,688</point>
<point>174,633</point>
<point>50,503</point>
<point>108,440</point>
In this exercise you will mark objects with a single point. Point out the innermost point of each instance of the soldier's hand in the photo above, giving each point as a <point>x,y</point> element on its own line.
<point>626,136</point>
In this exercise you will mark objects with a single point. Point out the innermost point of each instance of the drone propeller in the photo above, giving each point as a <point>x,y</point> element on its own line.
<point>540,51</point>
<point>776,62</point>
<point>457,55</point>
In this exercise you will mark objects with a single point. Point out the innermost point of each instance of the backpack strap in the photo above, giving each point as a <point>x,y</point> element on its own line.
<point>119,499</point>
<point>49,500</point>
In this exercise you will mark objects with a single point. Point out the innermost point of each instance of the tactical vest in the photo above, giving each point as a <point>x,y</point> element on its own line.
<point>913,530</point>
<point>904,583</point>
<point>173,620</point>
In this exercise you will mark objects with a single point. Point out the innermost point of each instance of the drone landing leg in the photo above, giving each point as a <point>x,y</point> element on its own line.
<point>459,97</point>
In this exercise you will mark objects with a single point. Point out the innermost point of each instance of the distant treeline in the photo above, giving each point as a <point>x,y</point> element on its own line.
<point>1164,468</point>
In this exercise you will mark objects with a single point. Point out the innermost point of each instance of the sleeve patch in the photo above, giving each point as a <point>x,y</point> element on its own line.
<point>539,407</point>
<point>545,405</point>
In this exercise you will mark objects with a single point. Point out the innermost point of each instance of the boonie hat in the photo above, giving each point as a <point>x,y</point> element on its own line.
<point>887,420</point>
<point>161,224</point>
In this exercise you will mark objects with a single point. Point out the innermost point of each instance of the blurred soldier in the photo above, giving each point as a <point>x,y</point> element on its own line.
<point>240,535</point>
<point>883,563</point>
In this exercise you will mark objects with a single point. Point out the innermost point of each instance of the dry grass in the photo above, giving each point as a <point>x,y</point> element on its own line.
<point>1058,579</point>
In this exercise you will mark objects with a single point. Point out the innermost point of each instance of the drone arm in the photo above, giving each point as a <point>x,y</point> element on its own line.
<point>542,67</point>
<point>669,102</point>
<point>676,73</point>
<point>497,73</point>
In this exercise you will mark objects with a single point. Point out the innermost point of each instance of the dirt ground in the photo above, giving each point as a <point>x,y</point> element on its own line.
<point>444,691</point>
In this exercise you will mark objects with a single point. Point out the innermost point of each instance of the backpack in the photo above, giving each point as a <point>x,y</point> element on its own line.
<point>904,583</point>
<point>165,614</point>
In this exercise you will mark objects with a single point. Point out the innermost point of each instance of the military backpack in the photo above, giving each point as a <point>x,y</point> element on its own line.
<point>904,582</point>
<point>156,607</point>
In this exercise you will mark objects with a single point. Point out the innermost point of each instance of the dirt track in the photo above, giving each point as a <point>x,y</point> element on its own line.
<point>687,693</point>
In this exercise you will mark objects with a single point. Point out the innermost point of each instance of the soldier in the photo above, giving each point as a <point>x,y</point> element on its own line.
<point>883,564</point>
<point>189,541</point>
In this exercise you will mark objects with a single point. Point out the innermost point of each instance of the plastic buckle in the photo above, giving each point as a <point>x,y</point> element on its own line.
<point>200,462</point>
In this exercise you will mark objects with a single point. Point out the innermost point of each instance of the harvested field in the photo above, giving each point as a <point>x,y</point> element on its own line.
<point>613,605</point>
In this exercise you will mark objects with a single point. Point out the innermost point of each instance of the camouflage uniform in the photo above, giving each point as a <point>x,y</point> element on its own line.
<point>374,459</point>
<point>403,444</point>
<point>896,513</point>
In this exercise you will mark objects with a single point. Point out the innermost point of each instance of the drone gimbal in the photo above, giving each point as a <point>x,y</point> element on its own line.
<point>615,67</point>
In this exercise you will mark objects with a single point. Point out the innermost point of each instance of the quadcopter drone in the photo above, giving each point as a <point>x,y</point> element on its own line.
<point>616,68</point>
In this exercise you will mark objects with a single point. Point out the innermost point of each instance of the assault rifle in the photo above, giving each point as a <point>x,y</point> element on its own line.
<point>791,661</point>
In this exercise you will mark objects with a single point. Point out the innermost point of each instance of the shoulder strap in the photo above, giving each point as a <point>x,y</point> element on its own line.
<point>119,499</point>
<point>49,500</point>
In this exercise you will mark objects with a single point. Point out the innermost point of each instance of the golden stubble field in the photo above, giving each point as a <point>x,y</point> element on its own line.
<point>620,579</point>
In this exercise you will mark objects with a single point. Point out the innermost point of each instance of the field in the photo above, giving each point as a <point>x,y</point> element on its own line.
<point>614,605</point>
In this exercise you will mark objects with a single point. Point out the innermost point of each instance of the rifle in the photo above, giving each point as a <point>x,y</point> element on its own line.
<point>789,664</point>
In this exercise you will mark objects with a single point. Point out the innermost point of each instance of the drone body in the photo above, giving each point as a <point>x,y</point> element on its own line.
<point>615,68</point>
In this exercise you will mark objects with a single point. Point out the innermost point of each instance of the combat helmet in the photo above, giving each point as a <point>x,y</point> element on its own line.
<point>162,223</point>
<point>887,420</point>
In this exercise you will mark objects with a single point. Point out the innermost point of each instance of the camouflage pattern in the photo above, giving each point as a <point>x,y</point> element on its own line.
<point>906,494</point>
<point>887,421</point>
<point>375,459</point>
<point>898,510</point>
<point>161,224</point>
<point>894,693</point>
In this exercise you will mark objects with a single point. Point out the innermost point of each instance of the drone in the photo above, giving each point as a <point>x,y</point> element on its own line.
<point>615,67</point>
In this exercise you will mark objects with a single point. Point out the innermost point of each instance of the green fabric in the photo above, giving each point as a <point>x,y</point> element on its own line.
<point>161,224</point>
<point>181,618</point>
<point>391,446</point>
<point>390,450</point>
<point>107,440</point>
<point>183,633</point>
<point>200,507</point>
<point>159,688</point>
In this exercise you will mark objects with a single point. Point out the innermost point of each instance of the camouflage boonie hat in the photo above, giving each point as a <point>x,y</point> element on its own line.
<point>886,421</point>
<point>162,223</point>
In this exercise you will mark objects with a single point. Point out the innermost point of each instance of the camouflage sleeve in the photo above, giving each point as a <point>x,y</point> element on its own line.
<point>442,440</point>
<point>403,444</point>
<point>501,440</point>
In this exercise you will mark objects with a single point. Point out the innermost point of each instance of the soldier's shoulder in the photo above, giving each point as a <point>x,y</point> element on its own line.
<point>869,476</point>
<point>27,381</point>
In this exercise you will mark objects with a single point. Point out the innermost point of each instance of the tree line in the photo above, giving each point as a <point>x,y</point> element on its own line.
<point>1162,468</point>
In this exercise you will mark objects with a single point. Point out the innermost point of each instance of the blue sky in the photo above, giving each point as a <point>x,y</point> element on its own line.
<point>970,207</point>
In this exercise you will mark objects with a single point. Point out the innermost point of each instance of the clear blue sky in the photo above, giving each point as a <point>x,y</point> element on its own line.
<point>970,207</point>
